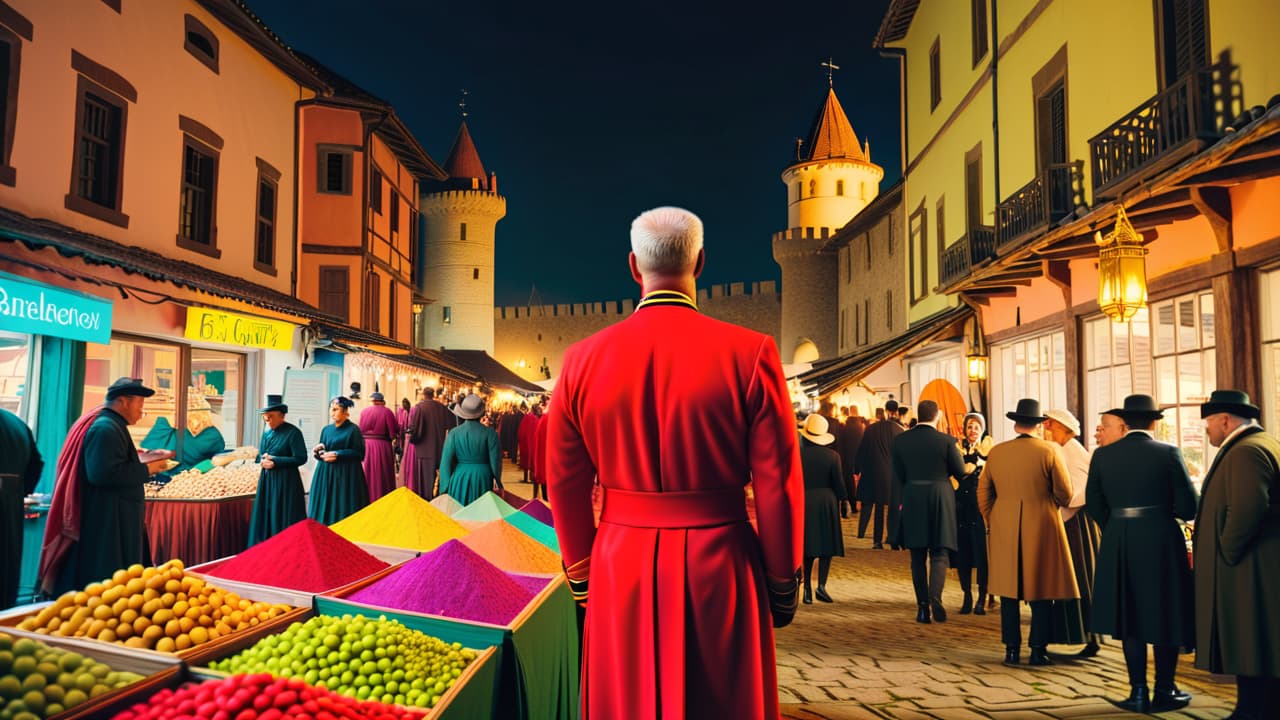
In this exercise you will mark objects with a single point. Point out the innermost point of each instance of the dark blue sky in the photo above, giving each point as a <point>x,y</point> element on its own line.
<point>590,114</point>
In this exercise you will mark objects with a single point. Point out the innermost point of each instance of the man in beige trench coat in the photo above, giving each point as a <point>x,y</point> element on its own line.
<point>1019,492</point>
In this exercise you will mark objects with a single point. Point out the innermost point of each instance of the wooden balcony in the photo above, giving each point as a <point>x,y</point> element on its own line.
<point>1174,123</point>
<point>977,246</point>
<point>1036,206</point>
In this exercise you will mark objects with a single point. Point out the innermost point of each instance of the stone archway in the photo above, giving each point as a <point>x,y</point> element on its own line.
<point>806,352</point>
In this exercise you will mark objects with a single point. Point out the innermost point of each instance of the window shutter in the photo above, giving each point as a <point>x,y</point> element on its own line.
<point>334,291</point>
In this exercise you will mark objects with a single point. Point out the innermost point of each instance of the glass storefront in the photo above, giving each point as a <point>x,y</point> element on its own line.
<point>16,354</point>
<point>1269,290</point>
<point>1027,368</point>
<point>1117,359</point>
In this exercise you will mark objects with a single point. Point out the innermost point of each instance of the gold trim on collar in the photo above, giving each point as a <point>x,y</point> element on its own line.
<point>667,297</point>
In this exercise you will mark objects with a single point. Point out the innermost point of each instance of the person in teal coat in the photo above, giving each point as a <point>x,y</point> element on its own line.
<point>280,501</point>
<point>471,463</point>
<point>338,487</point>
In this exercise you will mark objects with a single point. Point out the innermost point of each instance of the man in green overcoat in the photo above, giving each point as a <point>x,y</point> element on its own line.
<point>1237,553</point>
<point>20,467</point>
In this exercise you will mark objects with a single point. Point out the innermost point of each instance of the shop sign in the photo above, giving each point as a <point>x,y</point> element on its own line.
<point>232,329</point>
<point>33,308</point>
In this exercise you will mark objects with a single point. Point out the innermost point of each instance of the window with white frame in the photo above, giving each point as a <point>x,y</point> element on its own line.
<point>1183,338</point>
<point>1269,286</point>
<point>1117,363</point>
<point>1033,367</point>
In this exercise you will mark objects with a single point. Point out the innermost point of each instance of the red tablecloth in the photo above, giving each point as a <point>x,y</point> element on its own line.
<point>198,531</point>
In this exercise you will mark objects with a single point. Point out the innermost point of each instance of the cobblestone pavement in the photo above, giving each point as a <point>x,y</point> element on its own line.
<point>865,658</point>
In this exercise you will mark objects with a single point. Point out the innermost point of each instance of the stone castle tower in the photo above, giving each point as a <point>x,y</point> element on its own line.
<point>832,180</point>
<point>459,217</point>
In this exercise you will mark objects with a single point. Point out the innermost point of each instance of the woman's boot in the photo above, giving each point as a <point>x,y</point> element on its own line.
<point>981,607</point>
<point>967,606</point>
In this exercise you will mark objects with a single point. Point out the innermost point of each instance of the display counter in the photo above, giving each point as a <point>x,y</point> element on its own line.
<point>197,531</point>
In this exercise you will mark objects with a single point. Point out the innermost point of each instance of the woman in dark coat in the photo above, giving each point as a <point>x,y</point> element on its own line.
<point>280,501</point>
<point>823,493</point>
<point>471,463</point>
<point>971,531</point>
<point>338,487</point>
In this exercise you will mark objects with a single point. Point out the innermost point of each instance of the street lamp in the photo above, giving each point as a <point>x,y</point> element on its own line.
<point>977,359</point>
<point>1122,270</point>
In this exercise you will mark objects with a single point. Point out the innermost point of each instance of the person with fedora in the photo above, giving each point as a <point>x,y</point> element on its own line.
<point>1237,553</point>
<point>924,461</point>
<point>96,521</point>
<point>279,501</point>
<point>378,426</point>
<point>1137,491</point>
<point>1071,618</point>
<point>1019,492</point>
<point>338,487</point>
<point>471,464</point>
<point>874,465</point>
<point>429,422</point>
<point>20,468</point>
<point>676,413</point>
<point>823,494</point>
<point>971,530</point>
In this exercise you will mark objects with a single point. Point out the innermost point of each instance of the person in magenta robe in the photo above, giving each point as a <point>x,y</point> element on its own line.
<point>378,426</point>
<point>675,413</point>
<point>526,438</point>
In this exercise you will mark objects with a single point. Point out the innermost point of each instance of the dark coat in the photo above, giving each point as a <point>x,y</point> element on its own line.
<point>823,491</point>
<point>875,461</point>
<point>1142,585</point>
<point>280,501</point>
<point>20,468</point>
<point>849,440</point>
<point>429,422</point>
<point>1237,551</point>
<point>338,488</point>
<point>113,505</point>
<point>924,461</point>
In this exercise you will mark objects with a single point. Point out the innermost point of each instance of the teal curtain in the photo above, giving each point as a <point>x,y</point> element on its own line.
<point>61,384</point>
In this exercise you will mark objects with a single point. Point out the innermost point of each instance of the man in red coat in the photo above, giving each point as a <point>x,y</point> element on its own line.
<point>676,413</point>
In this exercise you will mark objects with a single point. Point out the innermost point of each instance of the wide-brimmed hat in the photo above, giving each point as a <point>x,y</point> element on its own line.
<point>1066,419</point>
<point>815,430</point>
<point>127,387</point>
<point>1028,411</point>
<point>1139,408</point>
<point>1235,402</point>
<point>471,407</point>
<point>275,403</point>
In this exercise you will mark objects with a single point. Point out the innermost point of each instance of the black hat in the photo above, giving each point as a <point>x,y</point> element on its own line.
<point>275,403</point>
<point>1138,408</point>
<point>891,406</point>
<point>1235,402</point>
<point>126,387</point>
<point>1028,411</point>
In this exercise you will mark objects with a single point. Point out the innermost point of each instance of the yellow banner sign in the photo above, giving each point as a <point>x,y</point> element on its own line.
<point>232,329</point>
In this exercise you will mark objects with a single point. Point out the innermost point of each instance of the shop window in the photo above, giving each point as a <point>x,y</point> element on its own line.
<point>157,365</point>
<point>201,43</point>
<point>333,172</point>
<point>375,192</point>
<point>16,351</point>
<point>1117,363</point>
<point>10,62</point>
<point>1269,286</point>
<point>214,400</point>
<point>1028,368</point>
<point>1185,373</point>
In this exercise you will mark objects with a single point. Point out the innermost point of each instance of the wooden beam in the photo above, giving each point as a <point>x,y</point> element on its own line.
<point>984,295</point>
<point>1058,272</point>
<point>1163,217</point>
<point>1164,201</point>
<point>1266,147</point>
<point>1236,173</point>
<point>1069,253</point>
<point>1214,203</point>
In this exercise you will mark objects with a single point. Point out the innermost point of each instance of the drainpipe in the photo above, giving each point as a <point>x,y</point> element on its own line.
<point>995,99</point>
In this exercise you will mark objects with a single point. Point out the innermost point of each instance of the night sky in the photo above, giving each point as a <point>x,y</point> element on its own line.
<point>591,113</point>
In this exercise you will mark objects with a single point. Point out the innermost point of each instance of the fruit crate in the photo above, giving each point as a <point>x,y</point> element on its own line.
<point>537,652</point>
<point>158,670</point>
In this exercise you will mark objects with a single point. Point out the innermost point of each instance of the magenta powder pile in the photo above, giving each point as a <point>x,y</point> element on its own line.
<point>305,556</point>
<point>531,583</point>
<point>538,510</point>
<point>452,581</point>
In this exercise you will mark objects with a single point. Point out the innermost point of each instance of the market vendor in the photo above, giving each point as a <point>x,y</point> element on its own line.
<point>279,502</point>
<point>201,440</point>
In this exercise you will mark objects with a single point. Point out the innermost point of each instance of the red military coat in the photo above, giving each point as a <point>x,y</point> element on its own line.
<point>525,438</point>
<point>675,413</point>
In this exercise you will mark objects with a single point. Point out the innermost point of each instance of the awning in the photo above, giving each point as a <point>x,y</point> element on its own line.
<point>837,373</point>
<point>490,371</point>
<point>95,250</point>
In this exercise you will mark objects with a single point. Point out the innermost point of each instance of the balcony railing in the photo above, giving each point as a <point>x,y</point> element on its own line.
<point>1048,198</point>
<point>958,260</point>
<point>1189,110</point>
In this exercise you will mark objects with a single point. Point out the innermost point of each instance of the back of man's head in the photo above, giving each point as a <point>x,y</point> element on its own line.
<point>428,393</point>
<point>666,240</point>
<point>826,407</point>
<point>927,411</point>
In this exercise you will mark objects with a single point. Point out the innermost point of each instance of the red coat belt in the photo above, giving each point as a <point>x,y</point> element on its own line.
<point>684,509</point>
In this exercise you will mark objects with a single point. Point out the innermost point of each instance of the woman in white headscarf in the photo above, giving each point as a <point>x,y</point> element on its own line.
<point>971,531</point>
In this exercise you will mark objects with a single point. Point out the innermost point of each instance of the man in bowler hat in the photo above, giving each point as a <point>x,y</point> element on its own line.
<point>1137,490</point>
<point>1020,490</point>
<point>1237,552</point>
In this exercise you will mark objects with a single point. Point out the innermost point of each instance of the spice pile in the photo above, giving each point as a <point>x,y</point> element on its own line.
<point>538,510</point>
<point>504,545</point>
<point>452,581</point>
<point>306,556</point>
<point>485,508</point>
<point>253,697</point>
<point>446,504</point>
<point>400,519</point>
<point>535,529</point>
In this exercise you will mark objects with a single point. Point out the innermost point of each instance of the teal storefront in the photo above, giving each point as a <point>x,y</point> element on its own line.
<point>43,331</point>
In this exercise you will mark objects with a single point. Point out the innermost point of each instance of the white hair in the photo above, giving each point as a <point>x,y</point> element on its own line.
<point>666,240</point>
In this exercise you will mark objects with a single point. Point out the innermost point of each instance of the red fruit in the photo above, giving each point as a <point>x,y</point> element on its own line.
<point>271,714</point>
<point>285,699</point>
<point>261,702</point>
<point>221,715</point>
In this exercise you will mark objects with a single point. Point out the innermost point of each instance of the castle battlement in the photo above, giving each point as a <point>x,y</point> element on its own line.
<point>448,202</point>
<point>803,233</point>
<point>765,289</point>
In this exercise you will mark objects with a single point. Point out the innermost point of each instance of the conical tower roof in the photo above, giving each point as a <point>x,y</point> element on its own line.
<point>464,161</point>
<point>832,136</point>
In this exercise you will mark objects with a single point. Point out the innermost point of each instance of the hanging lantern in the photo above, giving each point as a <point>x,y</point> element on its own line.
<point>1122,270</point>
<point>977,360</point>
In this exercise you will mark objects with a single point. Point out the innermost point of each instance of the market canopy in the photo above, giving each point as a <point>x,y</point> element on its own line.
<point>839,372</point>
<point>490,371</point>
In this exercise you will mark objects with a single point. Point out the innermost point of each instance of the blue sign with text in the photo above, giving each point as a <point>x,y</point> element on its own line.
<point>31,307</point>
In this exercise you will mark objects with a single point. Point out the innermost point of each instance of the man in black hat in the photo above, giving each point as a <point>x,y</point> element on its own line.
<point>1237,551</point>
<point>875,464</point>
<point>112,534</point>
<point>1142,586</point>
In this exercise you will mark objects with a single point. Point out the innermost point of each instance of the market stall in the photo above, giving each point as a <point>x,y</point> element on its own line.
<point>198,530</point>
